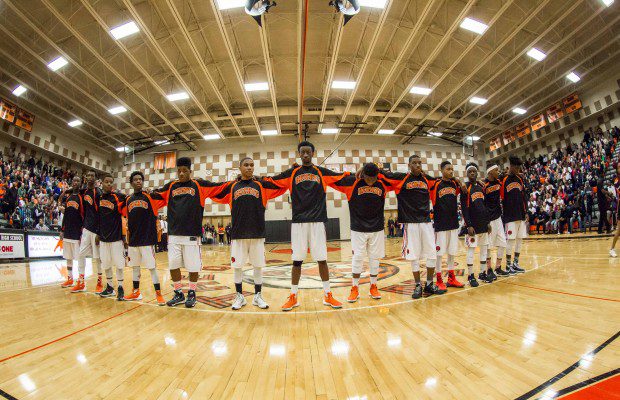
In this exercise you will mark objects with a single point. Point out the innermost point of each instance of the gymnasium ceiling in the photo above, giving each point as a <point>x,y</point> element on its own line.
<point>193,46</point>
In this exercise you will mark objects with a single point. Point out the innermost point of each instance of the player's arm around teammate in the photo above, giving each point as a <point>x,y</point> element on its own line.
<point>141,209</point>
<point>247,198</point>
<point>185,198</point>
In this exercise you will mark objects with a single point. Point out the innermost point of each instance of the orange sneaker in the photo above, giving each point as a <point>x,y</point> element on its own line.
<point>290,303</point>
<point>440,283</point>
<point>67,283</point>
<point>328,300</point>
<point>374,292</point>
<point>159,298</point>
<point>452,281</point>
<point>355,294</point>
<point>134,296</point>
<point>79,287</point>
<point>99,287</point>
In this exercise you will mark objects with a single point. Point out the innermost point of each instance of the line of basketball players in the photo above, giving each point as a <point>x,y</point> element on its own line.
<point>92,225</point>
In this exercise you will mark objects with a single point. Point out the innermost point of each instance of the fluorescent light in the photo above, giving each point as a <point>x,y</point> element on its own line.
<point>124,30</point>
<point>372,3</point>
<point>121,149</point>
<point>436,134</point>
<point>475,138</point>
<point>608,2</point>
<point>74,123</point>
<point>474,26</point>
<point>19,90</point>
<point>269,132</point>
<point>343,85</point>
<point>330,131</point>
<point>228,4</point>
<point>211,136</point>
<point>536,54</point>
<point>386,131</point>
<point>177,96</point>
<point>573,77</point>
<point>57,64</point>
<point>117,110</point>
<point>421,90</point>
<point>478,100</point>
<point>519,110</point>
<point>253,87</point>
<point>158,142</point>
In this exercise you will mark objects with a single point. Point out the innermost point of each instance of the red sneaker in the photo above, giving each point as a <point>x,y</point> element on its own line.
<point>99,287</point>
<point>79,287</point>
<point>440,283</point>
<point>452,282</point>
<point>67,283</point>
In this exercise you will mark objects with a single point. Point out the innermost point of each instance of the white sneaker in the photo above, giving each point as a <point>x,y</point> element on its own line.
<point>239,302</point>
<point>612,253</point>
<point>259,302</point>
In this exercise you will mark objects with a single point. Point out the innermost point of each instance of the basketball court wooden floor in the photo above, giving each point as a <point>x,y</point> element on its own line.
<point>542,334</point>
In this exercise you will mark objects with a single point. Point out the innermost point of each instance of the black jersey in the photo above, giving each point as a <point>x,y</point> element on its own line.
<point>248,201</point>
<point>474,209</point>
<point>307,185</point>
<point>186,202</point>
<point>91,199</point>
<point>514,202</point>
<point>141,211</point>
<point>110,217</point>
<point>444,195</point>
<point>492,198</point>
<point>413,194</point>
<point>366,202</point>
<point>73,220</point>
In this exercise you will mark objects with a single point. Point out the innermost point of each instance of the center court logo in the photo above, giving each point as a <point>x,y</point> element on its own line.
<point>279,276</point>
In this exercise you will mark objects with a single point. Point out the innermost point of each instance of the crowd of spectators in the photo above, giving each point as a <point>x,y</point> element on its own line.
<point>564,186</point>
<point>29,192</point>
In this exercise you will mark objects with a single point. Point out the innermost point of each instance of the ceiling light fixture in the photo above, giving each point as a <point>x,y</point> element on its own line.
<point>386,131</point>
<point>474,26</point>
<point>329,131</point>
<point>343,85</point>
<point>519,110</point>
<point>74,123</point>
<point>57,64</point>
<point>269,132</point>
<point>253,87</point>
<point>421,90</point>
<point>478,100</point>
<point>117,110</point>
<point>124,30</point>
<point>19,90</point>
<point>228,4</point>
<point>536,54</point>
<point>177,96</point>
<point>573,77</point>
<point>211,136</point>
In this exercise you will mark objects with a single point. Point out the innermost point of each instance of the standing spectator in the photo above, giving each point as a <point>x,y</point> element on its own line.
<point>164,232</point>
<point>228,229</point>
<point>391,227</point>
<point>603,205</point>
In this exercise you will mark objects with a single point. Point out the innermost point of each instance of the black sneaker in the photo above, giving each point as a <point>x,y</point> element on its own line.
<point>517,268</point>
<point>417,292</point>
<point>120,294</point>
<point>482,276</point>
<point>491,274</point>
<point>510,270</point>
<point>191,299</point>
<point>431,289</point>
<point>501,272</point>
<point>108,291</point>
<point>472,280</point>
<point>178,298</point>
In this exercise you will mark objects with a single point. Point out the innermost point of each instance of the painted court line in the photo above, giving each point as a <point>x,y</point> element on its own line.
<point>560,292</point>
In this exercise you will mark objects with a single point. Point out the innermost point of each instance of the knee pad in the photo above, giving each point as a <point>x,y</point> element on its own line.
<point>470,256</point>
<point>374,266</point>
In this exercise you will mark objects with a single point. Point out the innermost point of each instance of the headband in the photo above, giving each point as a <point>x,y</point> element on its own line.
<point>471,167</point>
<point>492,167</point>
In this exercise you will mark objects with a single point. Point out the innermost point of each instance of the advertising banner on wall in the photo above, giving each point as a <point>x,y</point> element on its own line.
<point>12,245</point>
<point>41,245</point>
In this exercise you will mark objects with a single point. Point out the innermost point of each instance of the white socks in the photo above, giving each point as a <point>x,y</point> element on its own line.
<point>326,288</point>
<point>294,289</point>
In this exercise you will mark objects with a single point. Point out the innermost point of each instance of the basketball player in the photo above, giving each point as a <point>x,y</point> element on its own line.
<point>497,235</point>
<point>307,184</point>
<point>89,243</point>
<point>71,229</point>
<point>514,204</point>
<point>112,242</point>
<point>612,251</point>
<point>185,198</point>
<point>444,195</point>
<point>141,210</point>
<point>476,217</point>
<point>366,204</point>
<point>248,199</point>
<point>413,194</point>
